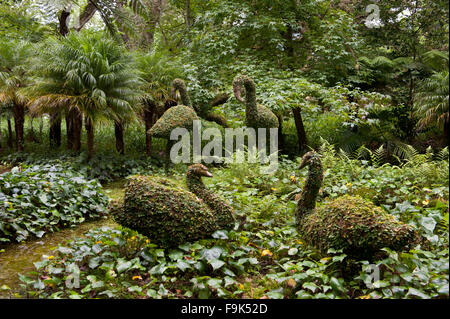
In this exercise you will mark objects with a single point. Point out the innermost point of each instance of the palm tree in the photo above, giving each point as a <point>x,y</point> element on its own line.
<point>158,72</point>
<point>14,75</point>
<point>85,75</point>
<point>432,102</point>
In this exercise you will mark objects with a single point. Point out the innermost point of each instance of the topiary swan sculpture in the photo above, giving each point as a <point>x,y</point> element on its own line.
<point>256,115</point>
<point>182,116</point>
<point>349,223</point>
<point>170,215</point>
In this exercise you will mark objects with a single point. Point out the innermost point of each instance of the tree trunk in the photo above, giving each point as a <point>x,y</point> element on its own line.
<point>280,132</point>
<point>55,130</point>
<point>168,148</point>
<point>118,131</point>
<point>32,136</point>
<point>69,130</point>
<point>77,126</point>
<point>0,132</point>
<point>289,46</point>
<point>10,134</point>
<point>90,137</point>
<point>188,14</point>
<point>148,120</point>
<point>120,23</point>
<point>74,124</point>
<point>301,134</point>
<point>64,21</point>
<point>87,13</point>
<point>19,120</point>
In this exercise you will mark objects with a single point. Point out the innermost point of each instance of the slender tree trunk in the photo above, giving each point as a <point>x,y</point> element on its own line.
<point>123,34</point>
<point>87,13</point>
<point>149,27</point>
<point>148,120</point>
<point>32,135</point>
<point>19,120</point>
<point>55,119</point>
<point>90,136</point>
<point>64,21</point>
<point>168,148</point>
<point>188,14</point>
<point>77,126</point>
<point>301,134</point>
<point>289,45</point>
<point>69,130</point>
<point>118,131</point>
<point>10,134</point>
<point>74,124</point>
<point>280,132</point>
<point>55,130</point>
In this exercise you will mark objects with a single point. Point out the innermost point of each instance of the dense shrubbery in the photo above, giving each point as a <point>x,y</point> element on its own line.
<point>322,68</point>
<point>43,198</point>
<point>105,167</point>
<point>264,255</point>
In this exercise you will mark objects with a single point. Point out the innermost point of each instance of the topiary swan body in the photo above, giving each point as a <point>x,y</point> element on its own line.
<point>169,215</point>
<point>177,116</point>
<point>256,115</point>
<point>349,223</point>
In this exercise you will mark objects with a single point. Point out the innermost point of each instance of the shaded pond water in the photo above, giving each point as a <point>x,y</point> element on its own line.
<point>19,258</point>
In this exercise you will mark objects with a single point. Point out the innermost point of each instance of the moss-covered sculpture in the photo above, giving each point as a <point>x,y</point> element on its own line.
<point>176,116</point>
<point>179,116</point>
<point>169,215</point>
<point>256,115</point>
<point>180,86</point>
<point>208,113</point>
<point>349,223</point>
<point>204,111</point>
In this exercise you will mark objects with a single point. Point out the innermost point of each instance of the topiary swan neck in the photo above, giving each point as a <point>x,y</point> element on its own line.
<point>240,83</point>
<point>307,202</point>
<point>180,86</point>
<point>195,184</point>
<point>222,211</point>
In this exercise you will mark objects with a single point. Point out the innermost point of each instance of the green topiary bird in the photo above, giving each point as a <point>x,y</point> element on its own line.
<point>169,215</point>
<point>256,115</point>
<point>349,223</point>
<point>176,116</point>
<point>204,111</point>
<point>181,116</point>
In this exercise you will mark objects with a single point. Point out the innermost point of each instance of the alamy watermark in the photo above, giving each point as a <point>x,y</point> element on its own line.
<point>373,19</point>
<point>73,277</point>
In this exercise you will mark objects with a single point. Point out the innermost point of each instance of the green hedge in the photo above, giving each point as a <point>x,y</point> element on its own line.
<point>41,199</point>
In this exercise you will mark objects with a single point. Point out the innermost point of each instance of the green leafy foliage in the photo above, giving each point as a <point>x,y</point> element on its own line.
<point>41,199</point>
<point>263,256</point>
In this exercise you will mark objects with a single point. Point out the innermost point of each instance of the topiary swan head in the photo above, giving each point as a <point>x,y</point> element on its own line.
<point>311,158</point>
<point>198,170</point>
<point>243,84</point>
<point>180,86</point>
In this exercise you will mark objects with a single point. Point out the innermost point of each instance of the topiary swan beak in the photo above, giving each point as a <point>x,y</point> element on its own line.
<point>208,174</point>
